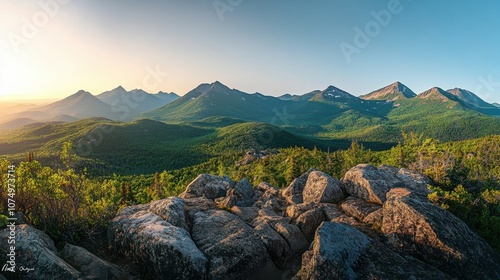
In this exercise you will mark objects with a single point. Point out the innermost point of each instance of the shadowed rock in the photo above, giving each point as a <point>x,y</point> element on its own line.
<point>34,249</point>
<point>340,251</point>
<point>358,208</point>
<point>436,236</point>
<point>91,266</point>
<point>229,243</point>
<point>209,186</point>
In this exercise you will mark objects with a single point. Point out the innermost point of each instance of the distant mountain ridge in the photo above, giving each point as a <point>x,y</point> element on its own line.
<point>390,92</point>
<point>116,104</point>
<point>380,115</point>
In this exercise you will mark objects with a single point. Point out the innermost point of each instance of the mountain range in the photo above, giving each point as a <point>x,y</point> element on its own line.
<point>331,113</point>
<point>116,104</point>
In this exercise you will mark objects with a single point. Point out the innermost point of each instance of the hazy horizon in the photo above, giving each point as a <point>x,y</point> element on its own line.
<point>51,49</point>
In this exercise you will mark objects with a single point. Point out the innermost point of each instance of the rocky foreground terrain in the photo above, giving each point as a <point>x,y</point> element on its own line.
<point>375,223</point>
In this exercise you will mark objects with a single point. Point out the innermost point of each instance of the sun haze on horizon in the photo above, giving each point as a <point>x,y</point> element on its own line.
<point>53,48</point>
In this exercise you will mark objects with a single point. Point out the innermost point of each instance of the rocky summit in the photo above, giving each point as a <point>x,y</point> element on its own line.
<point>374,223</point>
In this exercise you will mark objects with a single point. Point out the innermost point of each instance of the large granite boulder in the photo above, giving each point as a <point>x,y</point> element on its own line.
<point>321,187</point>
<point>340,251</point>
<point>91,266</point>
<point>36,257</point>
<point>163,250</point>
<point>370,183</point>
<point>436,236</point>
<point>171,210</point>
<point>209,186</point>
<point>293,193</point>
<point>358,208</point>
<point>230,245</point>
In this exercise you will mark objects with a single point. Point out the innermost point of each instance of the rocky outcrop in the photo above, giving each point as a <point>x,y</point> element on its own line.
<point>232,249</point>
<point>35,250</point>
<point>370,183</point>
<point>161,248</point>
<point>208,186</point>
<point>90,265</point>
<point>321,187</point>
<point>293,193</point>
<point>436,236</point>
<point>376,224</point>
<point>358,208</point>
<point>36,257</point>
<point>340,251</point>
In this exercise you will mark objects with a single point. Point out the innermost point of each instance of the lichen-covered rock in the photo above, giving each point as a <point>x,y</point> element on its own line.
<point>276,246</point>
<point>171,210</point>
<point>293,193</point>
<point>358,208</point>
<point>229,243</point>
<point>374,218</point>
<point>163,250</point>
<point>244,193</point>
<point>294,211</point>
<point>90,266</point>
<point>436,236</point>
<point>293,236</point>
<point>334,254</point>
<point>35,250</point>
<point>370,183</point>
<point>321,187</point>
<point>209,186</point>
<point>341,251</point>
<point>309,221</point>
<point>331,211</point>
<point>247,214</point>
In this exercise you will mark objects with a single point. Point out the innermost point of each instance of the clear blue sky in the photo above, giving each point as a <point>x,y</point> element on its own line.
<point>273,47</point>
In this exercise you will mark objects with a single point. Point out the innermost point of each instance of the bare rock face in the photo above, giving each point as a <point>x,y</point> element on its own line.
<point>321,187</point>
<point>232,249</point>
<point>309,221</point>
<point>331,211</point>
<point>436,236</point>
<point>340,251</point>
<point>247,214</point>
<point>293,193</point>
<point>295,210</point>
<point>171,210</point>
<point>209,186</point>
<point>334,254</point>
<point>163,250</point>
<point>358,208</point>
<point>276,246</point>
<point>370,183</point>
<point>34,249</point>
<point>293,236</point>
<point>91,266</point>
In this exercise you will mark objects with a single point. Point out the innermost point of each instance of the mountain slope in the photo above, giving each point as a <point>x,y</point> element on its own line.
<point>216,99</point>
<point>393,91</point>
<point>475,102</point>
<point>135,102</point>
<point>79,105</point>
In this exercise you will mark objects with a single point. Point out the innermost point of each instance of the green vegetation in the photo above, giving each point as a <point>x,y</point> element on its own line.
<point>73,205</point>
